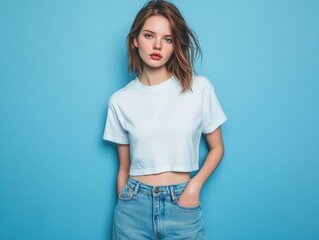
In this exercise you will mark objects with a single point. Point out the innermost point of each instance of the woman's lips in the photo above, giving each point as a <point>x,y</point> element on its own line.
<point>156,56</point>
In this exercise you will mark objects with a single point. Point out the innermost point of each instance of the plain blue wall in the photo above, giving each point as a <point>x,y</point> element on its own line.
<point>61,60</point>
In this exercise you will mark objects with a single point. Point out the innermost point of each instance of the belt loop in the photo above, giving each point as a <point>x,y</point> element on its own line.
<point>136,189</point>
<point>172,194</point>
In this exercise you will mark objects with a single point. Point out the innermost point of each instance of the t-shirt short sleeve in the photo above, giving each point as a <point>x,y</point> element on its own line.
<point>213,114</point>
<point>113,130</point>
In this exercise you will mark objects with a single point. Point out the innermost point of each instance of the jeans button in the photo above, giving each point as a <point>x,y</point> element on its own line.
<point>156,190</point>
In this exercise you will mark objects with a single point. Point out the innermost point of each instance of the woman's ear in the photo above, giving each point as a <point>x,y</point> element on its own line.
<point>135,42</point>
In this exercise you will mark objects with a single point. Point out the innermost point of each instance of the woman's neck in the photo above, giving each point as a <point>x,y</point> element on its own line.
<point>151,76</point>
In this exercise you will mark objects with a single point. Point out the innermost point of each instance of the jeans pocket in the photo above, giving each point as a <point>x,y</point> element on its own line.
<point>187,207</point>
<point>127,193</point>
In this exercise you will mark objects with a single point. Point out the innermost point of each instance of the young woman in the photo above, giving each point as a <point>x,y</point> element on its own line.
<point>157,120</point>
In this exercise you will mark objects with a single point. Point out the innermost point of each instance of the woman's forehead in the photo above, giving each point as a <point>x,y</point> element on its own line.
<point>158,24</point>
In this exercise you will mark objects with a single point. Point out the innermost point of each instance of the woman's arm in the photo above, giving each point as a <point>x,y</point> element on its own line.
<point>124,166</point>
<point>190,196</point>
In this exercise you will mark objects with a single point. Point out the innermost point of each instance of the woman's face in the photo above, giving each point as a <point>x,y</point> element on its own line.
<point>154,42</point>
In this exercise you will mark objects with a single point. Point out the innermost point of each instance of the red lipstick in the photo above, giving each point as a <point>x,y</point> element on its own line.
<point>156,56</point>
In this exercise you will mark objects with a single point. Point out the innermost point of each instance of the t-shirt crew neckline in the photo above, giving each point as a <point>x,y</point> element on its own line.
<point>156,87</point>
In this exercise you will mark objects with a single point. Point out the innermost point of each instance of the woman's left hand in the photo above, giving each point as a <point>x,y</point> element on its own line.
<point>190,195</point>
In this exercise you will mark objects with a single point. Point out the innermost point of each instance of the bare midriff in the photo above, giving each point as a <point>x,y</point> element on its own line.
<point>165,178</point>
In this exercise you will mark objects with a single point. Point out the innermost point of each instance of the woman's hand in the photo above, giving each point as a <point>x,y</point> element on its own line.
<point>190,195</point>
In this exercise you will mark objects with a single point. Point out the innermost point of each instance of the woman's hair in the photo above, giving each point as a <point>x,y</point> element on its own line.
<point>186,45</point>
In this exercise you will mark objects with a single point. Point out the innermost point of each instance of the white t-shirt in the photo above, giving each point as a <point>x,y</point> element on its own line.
<point>162,125</point>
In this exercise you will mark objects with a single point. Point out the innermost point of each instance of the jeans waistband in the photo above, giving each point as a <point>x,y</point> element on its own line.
<point>156,190</point>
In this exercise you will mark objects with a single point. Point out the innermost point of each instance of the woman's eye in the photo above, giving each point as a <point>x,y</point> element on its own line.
<point>147,35</point>
<point>168,40</point>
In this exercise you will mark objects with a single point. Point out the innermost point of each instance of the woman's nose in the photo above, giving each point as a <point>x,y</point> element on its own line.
<point>157,44</point>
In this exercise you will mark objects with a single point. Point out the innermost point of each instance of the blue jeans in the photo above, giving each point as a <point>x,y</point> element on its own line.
<point>153,212</point>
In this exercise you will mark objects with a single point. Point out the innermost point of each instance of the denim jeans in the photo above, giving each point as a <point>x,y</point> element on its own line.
<point>153,212</point>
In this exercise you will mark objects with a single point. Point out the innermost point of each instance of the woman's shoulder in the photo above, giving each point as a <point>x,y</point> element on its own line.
<point>122,93</point>
<point>201,82</point>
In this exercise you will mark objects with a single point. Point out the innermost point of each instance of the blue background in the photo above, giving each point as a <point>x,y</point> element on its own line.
<point>61,60</point>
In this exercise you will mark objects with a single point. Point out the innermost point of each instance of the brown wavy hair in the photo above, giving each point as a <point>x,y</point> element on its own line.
<point>186,45</point>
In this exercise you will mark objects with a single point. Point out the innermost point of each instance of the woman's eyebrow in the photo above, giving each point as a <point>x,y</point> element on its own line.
<point>167,35</point>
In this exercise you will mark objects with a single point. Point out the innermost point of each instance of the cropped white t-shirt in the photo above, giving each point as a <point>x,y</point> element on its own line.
<point>162,125</point>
